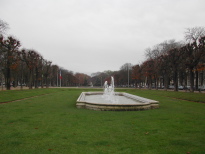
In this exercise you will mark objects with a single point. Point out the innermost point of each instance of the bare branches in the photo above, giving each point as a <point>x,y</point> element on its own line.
<point>193,34</point>
<point>3,27</point>
<point>160,49</point>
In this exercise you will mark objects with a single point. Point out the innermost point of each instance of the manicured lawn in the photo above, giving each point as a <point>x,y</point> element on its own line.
<point>52,124</point>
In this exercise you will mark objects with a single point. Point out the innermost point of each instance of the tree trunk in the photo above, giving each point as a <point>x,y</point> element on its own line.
<point>8,76</point>
<point>8,73</point>
<point>150,83</point>
<point>191,79</point>
<point>8,86</point>
<point>165,82</point>
<point>46,80</point>
<point>197,80</point>
<point>202,78</point>
<point>36,79</point>
<point>175,80</point>
<point>140,84</point>
<point>21,77</point>
<point>30,80</point>
<point>2,86</point>
<point>42,78</point>
<point>157,82</point>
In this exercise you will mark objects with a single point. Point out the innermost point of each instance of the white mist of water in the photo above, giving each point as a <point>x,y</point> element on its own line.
<point>109,91</point>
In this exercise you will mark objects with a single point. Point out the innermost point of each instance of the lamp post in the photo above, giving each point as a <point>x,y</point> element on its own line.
<point>60,78</point>
<point>57,69</point>
<point>128,75</point>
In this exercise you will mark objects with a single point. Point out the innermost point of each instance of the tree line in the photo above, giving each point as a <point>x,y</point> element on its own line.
<point>173,63</point>
<point>168,64</point>
<point>27,67</point>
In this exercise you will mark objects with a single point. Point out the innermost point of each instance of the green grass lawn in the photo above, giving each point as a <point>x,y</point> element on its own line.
<point>52,124</point>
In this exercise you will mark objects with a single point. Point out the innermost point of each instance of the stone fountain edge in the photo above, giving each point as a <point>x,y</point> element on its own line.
<point>145,105</point>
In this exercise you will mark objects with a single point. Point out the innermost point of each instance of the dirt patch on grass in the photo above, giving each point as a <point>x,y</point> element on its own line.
<point>24,98</point>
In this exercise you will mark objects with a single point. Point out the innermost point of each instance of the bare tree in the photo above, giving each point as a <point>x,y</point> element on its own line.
<point>31,58</point>
<point>192,56</point>
<point>193,34</point>
<point>38,70</point>
<point>126,71</point>
<point>9,53</point>
<point>175,58</point>
<point>47,72</point>
<point>148,53</point>
<point>154,55</point>
<point>137,75</point>
<point>3,27</point>
<point>148,72</point>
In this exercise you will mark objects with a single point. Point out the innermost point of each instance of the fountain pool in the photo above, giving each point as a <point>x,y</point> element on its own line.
<point>114,101</point>
<point>125,102</point>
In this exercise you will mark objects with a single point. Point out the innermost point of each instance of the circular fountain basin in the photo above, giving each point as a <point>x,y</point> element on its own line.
<point>124,102</point>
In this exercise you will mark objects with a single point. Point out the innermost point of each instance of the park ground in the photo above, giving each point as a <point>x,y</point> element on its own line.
<point>47,121</point>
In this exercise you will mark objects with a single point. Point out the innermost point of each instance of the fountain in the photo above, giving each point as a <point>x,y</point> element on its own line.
<point>109,92</point>
<point>109,100</point>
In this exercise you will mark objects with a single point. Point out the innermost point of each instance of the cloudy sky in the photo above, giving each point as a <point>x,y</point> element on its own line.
<point>88,36</point>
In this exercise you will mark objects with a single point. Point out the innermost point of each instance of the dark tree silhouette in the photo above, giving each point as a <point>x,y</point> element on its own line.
<point>9,57</point>
<point>31,58</point>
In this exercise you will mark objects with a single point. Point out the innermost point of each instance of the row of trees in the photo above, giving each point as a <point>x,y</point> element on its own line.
<point>172,62</point>
<point>28,67</point>
<point>122,77</point>
<point>168,63</point>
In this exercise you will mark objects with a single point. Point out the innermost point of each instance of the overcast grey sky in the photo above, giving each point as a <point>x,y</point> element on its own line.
<point>95,35</point>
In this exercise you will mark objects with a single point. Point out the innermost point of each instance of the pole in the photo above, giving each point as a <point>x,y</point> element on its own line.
<point>128,75</point>
<point>60,78</point>
<point>57,78</point>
